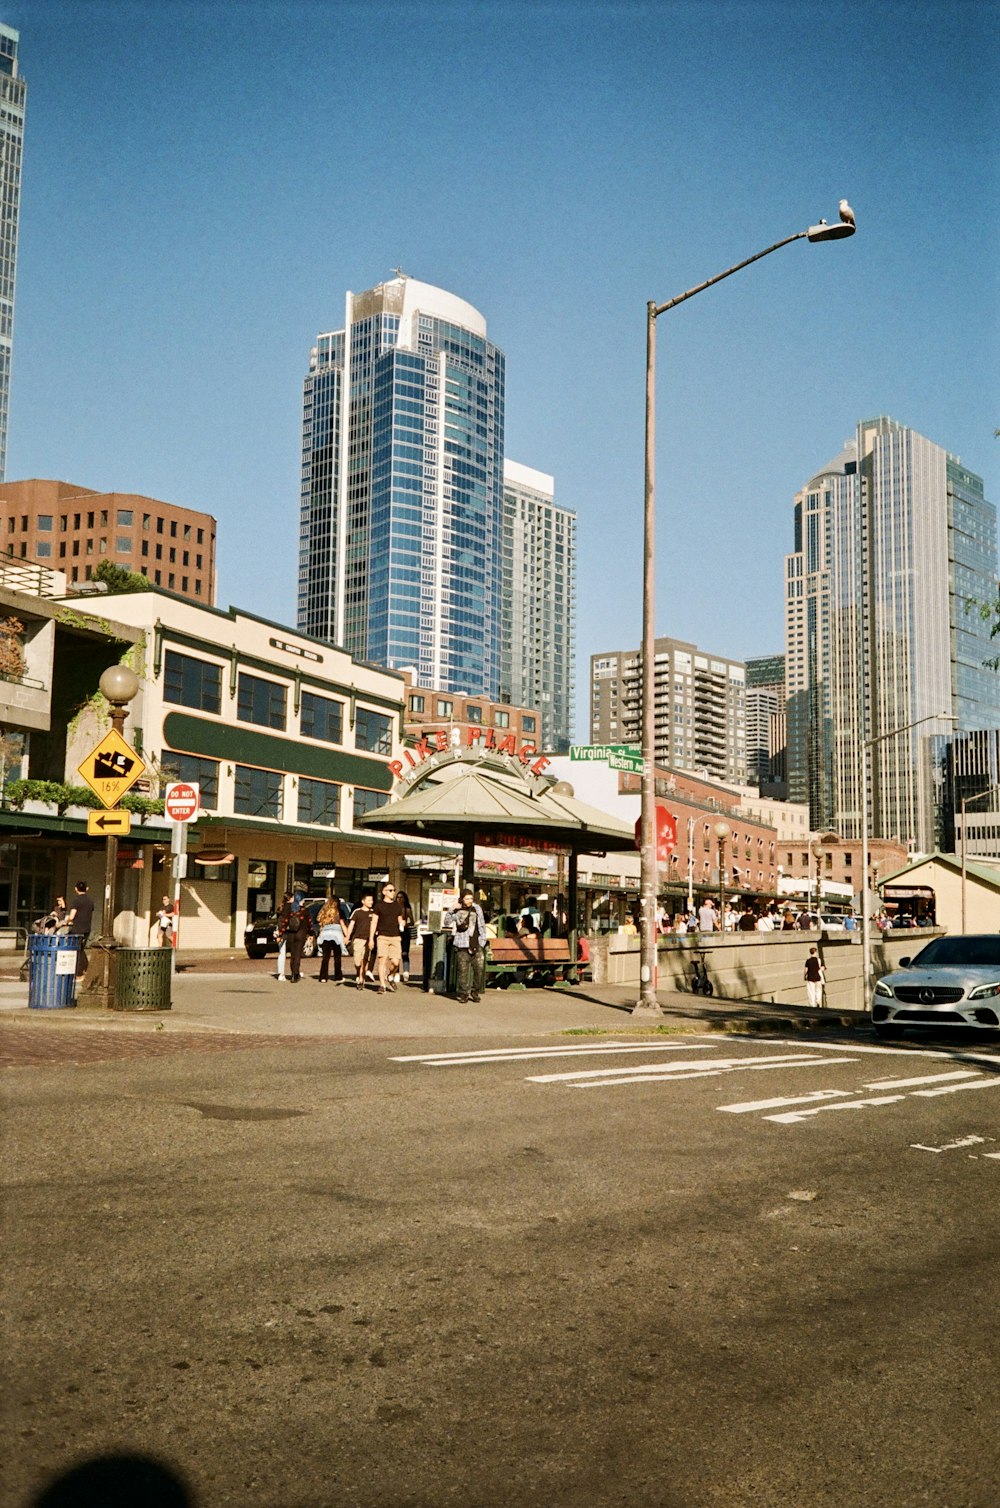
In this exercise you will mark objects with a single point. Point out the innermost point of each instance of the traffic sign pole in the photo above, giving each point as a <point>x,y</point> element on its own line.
<point>181,804</point>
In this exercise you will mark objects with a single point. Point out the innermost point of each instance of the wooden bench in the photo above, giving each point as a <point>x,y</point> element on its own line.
<point>509,960</point>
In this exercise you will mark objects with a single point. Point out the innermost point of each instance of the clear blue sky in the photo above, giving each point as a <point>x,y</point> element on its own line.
<point>202,183</point>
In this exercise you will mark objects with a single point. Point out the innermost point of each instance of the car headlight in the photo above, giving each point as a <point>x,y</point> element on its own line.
<point>882,989</point>
<point>984,992</point>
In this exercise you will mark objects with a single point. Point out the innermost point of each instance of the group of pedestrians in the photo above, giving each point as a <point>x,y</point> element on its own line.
<point>741,918</point>
<point>378,933</point>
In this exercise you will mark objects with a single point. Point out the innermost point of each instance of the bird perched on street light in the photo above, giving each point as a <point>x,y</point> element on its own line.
<point>846,212</point>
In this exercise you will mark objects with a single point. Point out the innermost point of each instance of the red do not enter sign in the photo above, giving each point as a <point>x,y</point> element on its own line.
<point>181,801</point>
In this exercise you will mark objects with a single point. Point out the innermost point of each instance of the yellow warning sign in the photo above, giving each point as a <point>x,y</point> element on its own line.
<point>112,768</point>
<point>109,824</point>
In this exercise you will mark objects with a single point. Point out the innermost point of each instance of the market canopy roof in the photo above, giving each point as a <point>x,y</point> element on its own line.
<point>488,803</point>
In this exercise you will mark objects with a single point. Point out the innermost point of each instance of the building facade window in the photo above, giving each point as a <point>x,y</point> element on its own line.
<point>474,714</point>
<point>319,801</point>
<point>367,801</point>
<point>204,773</point>
<point>444,708</point>
<point>373,731</point>
<point>45,523</point>
<point>501,719</point>
<point>259,701</point>
<point>321,717</point>
<point>527,725</point>
<point>417,704</point>
<point>258,792</point>
<point>190,682</point>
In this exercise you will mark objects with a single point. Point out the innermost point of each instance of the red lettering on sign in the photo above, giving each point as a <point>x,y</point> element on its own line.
<point>441,739</point>
<point>540,765</point>
<point>396,766</point>
<point>472,735</point>
<point>507,745</point>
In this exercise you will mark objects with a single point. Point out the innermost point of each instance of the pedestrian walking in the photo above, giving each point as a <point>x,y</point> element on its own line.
<point>163,924</point>
<point>468,925</point>
<point>389,923</point>
<point>294,925</point>
<point>80,920</point>
<point>406,936</point>
<point>360,935</point>
<point>330,941</point>
<point>815,976</point>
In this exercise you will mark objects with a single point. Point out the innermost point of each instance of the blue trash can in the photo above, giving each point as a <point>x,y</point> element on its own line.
<point>51,971</point>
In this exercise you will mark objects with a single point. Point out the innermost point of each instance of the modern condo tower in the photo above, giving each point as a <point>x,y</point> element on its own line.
<point>539,602</point>
<point>893,540</point>
<point>13,91</point>
<point>402,487</point>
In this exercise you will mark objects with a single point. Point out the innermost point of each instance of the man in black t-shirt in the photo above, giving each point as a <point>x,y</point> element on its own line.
<point>390,919</point>
<point>80,920</point>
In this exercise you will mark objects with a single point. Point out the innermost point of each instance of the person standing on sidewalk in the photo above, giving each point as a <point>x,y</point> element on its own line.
<point>815,975</point>
<point>360,935</point>
<point>406,936</point>
<point>390,920</point>
<point>163,926</point>
<point>330,940</point>
<point>469,926</point>
<point>80,920</point>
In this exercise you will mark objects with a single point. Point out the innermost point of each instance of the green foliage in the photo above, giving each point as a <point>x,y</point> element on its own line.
<point>60,795</point>
<point>119,579</point>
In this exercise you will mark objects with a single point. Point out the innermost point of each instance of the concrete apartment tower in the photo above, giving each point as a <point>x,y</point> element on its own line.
<point>700,707</point>
<point>13,92</point>
<point>402,487</point>
<point>892,540</point>
<point>538,596</point>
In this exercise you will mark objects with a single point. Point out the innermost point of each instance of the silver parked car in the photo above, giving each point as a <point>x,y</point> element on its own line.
<point>954,981</point>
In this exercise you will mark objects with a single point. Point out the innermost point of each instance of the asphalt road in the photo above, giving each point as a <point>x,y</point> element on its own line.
<point>704,1272</point>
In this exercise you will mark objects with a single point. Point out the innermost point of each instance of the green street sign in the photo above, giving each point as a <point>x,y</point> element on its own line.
<point>605,753</point>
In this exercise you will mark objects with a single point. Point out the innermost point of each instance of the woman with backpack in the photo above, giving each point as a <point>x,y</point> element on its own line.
<point>330,939</point>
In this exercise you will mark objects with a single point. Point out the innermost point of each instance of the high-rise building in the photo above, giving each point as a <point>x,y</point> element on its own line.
<point>538,599</point>
<point>893,539</point>
<point>13,92</point>
<point>765,722</point>
<point>72,529</point>
<point>700,702</point>
<point>402,487</point>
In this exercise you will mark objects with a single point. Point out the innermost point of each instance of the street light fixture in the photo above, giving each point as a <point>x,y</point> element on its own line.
<point>647,1003</point>
<point>722,833</point>
<point>964,803</point>
<point>866,919</point>
<point>119,685</point>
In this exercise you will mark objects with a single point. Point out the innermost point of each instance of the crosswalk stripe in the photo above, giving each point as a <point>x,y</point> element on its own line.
<point>749,1106</point>
<point>522,1054</point>
<point>685,1070</point>
<point>954,1088</point>
<point>792,1116</point>
<point>931,1078</point>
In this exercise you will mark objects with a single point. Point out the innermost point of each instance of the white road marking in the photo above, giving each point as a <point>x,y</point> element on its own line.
<point>749,1106</point>
<point>954,1088</point>
<point>881,1051</point>
<point>523,1054</point>
<point>792,1116</point>
<point>931,1078</point>
<point>952,1146</point>
<point>706,1068</point>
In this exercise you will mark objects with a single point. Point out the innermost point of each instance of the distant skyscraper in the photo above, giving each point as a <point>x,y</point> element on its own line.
<point>402,487</point>
<point>538,602</point>
<point>700,707</point>
<point>892,540</point>
<point>765,720</point>
<point>13,91</point>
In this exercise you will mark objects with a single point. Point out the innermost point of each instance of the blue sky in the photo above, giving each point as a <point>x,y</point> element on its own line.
<point>203,182</point>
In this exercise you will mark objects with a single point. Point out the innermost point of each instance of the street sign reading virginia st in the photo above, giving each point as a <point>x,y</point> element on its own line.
<point>601,752</point>
<point>111,769</point>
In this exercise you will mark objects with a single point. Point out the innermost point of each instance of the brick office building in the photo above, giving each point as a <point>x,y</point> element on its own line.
<point>72,529</point>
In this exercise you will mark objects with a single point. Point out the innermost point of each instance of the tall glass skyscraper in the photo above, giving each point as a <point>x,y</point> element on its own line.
<point>13,91</point>
<point>893,540</point>
<point>538,615</point>
<point>402,487</point>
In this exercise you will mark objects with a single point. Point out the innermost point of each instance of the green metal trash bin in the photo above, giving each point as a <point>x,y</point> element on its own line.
<point>143,979</point>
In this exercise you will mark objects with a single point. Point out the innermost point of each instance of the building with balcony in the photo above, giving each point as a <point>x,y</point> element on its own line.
<point>700,707</point>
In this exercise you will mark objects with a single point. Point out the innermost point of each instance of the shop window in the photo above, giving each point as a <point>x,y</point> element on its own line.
<point>261,702</point>
<point>319,801</point>
<point>258,792</point>
<point>372,731</point>
<point>190,682</point>
<point>321,717</point>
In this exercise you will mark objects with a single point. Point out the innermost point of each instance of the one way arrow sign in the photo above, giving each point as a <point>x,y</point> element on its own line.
<point>109,824</point>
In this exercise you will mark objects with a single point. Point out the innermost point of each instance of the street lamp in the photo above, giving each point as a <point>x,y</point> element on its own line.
<point>119,685</point>
<point>866,919</point>
<point>819,842</point>
<point>647,1003</point>
<point>964,803</point>
<point>722,833</point>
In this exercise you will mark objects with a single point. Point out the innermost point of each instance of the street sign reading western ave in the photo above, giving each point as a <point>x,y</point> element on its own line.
<point>600,752</point>
<point>112,768</point>
<point>108,824</point>
<point>628,760</point>
<point>181,801</point>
